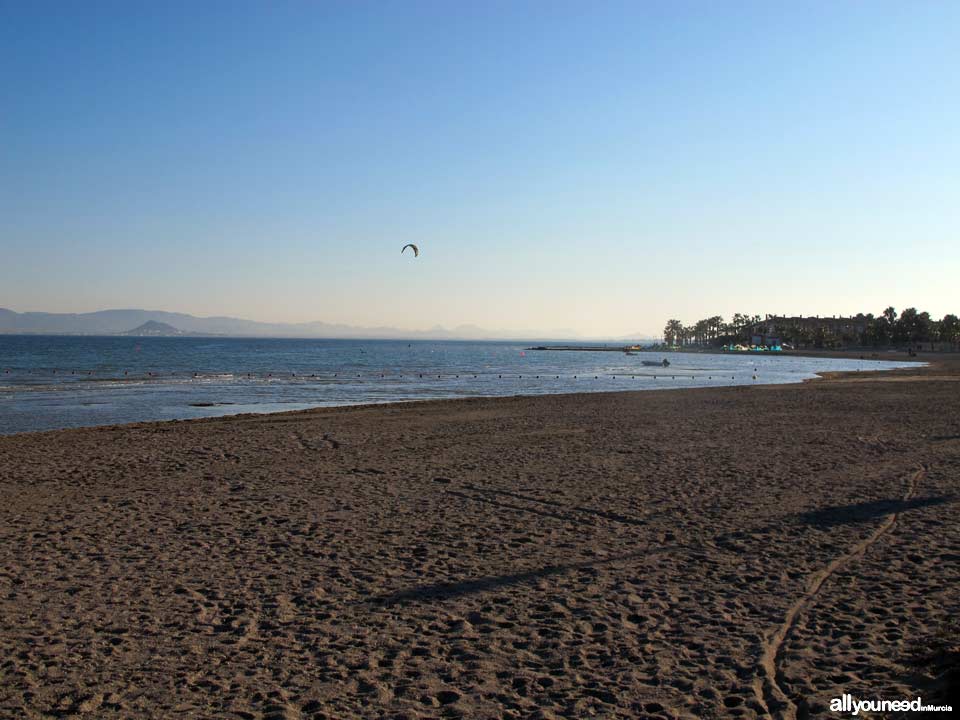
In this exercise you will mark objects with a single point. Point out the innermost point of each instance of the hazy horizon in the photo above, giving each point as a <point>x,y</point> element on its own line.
<point>596,168</point>
<point>465,330</point>
<point>462,331</point>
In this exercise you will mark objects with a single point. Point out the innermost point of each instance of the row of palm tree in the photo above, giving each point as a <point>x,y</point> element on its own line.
<point>911,327</point>
<point>709,331</point>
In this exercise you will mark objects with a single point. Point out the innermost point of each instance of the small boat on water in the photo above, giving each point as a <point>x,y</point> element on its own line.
<point>654,363</point>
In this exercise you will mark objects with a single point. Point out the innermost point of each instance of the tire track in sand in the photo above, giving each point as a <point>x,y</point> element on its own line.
<point>768,687</point>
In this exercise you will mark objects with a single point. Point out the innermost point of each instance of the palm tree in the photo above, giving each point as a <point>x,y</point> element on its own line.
<point>717,326</point>
<point>673,332</point>
<point>949,329</point>
<point>703,331</point>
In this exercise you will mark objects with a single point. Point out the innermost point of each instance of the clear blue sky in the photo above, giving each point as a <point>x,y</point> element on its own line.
<point>593,166</point>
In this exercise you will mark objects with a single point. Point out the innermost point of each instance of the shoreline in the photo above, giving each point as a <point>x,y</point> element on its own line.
<point>867,353</point>
<point>920,364</point>
<point>657,554</point>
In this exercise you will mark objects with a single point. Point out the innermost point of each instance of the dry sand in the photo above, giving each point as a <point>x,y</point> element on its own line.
<point>738,552</point>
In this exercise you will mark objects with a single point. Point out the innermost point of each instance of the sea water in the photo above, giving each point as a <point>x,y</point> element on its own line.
<point>49,382</point>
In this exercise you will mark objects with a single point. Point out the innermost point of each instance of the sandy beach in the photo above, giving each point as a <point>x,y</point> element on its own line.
<point>736,552</point>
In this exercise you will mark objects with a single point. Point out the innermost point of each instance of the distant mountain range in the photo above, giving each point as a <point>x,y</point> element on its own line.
<point>159,323</point>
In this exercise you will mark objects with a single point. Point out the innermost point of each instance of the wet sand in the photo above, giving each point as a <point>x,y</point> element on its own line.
<point>735,552</point>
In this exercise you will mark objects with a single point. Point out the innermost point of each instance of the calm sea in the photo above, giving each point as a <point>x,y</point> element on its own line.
<point>56,382</point>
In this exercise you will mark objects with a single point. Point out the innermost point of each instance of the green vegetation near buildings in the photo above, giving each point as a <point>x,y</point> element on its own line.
<point>911,328</point>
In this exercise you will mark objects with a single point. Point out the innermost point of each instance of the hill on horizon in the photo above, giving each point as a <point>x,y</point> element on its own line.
<point>153,328</point>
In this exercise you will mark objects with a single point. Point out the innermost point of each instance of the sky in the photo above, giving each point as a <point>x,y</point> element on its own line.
<point>597,167</point>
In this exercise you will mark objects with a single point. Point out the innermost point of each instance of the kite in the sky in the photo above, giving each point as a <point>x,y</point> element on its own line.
<point>416,250</point>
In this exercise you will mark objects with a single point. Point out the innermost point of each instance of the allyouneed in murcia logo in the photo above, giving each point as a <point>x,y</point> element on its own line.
<point>848,704</point>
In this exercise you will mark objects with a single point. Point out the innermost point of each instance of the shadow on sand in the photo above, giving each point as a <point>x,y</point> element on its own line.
<point>865,511</point>
<point>447,590</point>
<point>822,519</point>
